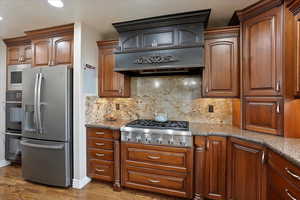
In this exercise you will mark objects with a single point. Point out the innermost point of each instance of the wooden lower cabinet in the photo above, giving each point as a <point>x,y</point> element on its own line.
<point>246,170</point>
<point>103,155</point>
<point>215,167</point>
<point>283,178</point>
<point>166,170</point>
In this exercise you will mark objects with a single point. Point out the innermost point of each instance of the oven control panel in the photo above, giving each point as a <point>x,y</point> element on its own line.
<point>157,139</point>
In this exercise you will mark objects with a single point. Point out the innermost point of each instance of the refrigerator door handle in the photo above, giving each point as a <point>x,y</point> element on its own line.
<point>40,146</point>
<point>35,101</point>
<point>39,102</point>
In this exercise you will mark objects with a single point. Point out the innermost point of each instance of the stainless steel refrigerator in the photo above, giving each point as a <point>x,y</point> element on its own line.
<point>47,126</point>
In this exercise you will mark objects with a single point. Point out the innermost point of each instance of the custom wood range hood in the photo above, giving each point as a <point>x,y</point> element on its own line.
<point>164,44</point>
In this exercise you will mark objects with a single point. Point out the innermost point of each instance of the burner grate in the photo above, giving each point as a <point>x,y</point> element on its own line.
<point>175,125</point>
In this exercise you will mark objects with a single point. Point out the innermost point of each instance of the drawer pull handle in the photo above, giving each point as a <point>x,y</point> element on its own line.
<point>154,157</point>
<point>292,174</point>
<point>100,133</point>
<point>289,195</point>
<point>100,170</point>
<point>99,154</point>
<point>100,144</point>
<point>153,181</point>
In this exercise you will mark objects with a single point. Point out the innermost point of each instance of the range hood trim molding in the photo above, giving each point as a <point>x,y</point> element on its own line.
<point>199,16</point>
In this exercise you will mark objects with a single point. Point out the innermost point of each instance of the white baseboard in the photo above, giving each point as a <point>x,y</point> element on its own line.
<point>80,183</point>
<point>4,163</point>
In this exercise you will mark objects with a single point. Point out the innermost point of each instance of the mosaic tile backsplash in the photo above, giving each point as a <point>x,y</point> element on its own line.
<point>178,96</point>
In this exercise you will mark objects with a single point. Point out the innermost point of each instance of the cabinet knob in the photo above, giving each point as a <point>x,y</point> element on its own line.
<point>278,108</point>
<point>263,158</point>
<point>277,86</point>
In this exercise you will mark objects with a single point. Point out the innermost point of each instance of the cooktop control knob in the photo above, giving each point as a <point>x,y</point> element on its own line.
<point>159,140</point>
<point>128,138</point>
<point>138,138</point>
<point>147,138</point>
<point>171,141</point>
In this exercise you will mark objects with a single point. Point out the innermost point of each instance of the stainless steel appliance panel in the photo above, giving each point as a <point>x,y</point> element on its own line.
<point>14,76</point>
<point>13,147</point>
<point>29,124</point>
<point>55,104</point>
<point>46,162</point>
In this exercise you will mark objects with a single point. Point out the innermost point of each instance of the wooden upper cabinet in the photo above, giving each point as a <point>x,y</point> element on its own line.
<point>62,51</point>
<point>246,171</point>
<point>111,83</point>
<point>297,42</point>
<point>221,75</point>
<point>263,114</point>
<point>215,168</point>
<point>19,55</point>
<point>41,52</point>
<point>262,53</point>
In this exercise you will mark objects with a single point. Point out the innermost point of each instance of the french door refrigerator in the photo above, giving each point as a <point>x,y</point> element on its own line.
<point>47,126</point>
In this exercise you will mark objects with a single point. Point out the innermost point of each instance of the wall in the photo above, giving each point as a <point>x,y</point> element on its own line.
<point>85,83</point>
<point>3,162</point>
<point>179,96</point>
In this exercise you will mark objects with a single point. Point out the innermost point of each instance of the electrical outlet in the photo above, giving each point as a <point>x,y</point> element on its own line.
<point>117,106</point>
<point>210,108</point>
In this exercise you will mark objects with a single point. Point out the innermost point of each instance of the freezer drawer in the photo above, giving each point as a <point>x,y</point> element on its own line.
<point>46,162</point>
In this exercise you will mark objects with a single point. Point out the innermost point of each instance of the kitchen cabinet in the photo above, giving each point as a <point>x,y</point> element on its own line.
<point>215,167</point>
<point>221,74</point>
<point>283,178</point>
<point>246,170</point>
<point>103,155</point>
<point>262,53</point>
<point>19,55</point>
<point>52,51</point>
<point>111,84</point>
<point>297,55</point>
<point>263,114</point>
<point>162,169</point>
<point>269,66</point>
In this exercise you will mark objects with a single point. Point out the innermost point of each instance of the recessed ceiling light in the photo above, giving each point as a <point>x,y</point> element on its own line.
<point>56,3</point>
<point>1,18</point>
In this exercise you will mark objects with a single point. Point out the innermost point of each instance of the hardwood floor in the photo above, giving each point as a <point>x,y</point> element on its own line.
<point>13,187</point>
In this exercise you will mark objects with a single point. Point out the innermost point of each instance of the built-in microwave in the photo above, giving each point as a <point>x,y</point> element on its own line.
<point>14,76</point>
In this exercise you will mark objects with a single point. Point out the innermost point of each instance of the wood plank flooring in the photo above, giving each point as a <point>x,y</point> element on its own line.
<point>13,187</point>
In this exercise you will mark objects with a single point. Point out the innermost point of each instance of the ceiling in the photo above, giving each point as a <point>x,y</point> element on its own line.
<point>22,15</point>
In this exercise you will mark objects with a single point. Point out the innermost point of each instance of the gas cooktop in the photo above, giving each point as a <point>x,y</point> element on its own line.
<point>145,123</point>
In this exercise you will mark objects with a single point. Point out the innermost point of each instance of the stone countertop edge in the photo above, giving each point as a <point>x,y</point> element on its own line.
<point>275,143</point>
<point>286,147</point>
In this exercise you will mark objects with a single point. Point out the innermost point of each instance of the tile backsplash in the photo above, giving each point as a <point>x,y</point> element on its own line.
<point>178,96</point>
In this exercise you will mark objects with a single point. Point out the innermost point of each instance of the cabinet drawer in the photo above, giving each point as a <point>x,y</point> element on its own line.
<point>278,186</point>
<point>285,168</point>
<point>153,180</point>
<point>100,143</point>
<point>263,114</point>
<point>101,154</point>
<point>100,133</point>
<point>157,155</point>
<point>102,170</point>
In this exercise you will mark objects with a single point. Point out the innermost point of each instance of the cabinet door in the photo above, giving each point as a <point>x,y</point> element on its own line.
<point>112,84</point>
<point>62,51</point>
<point>297,74</point>
<point>263,114</point>
<point>41,52</point>
<point>221,68</point>
<point>215,169</point>
<point>13,55</point>
<point>246,171</point>
<point>262,54</point>
<point>26,54</point>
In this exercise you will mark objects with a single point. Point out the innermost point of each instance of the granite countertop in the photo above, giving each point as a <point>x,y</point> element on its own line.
<point>287,147</point>
<point>113,125</point>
